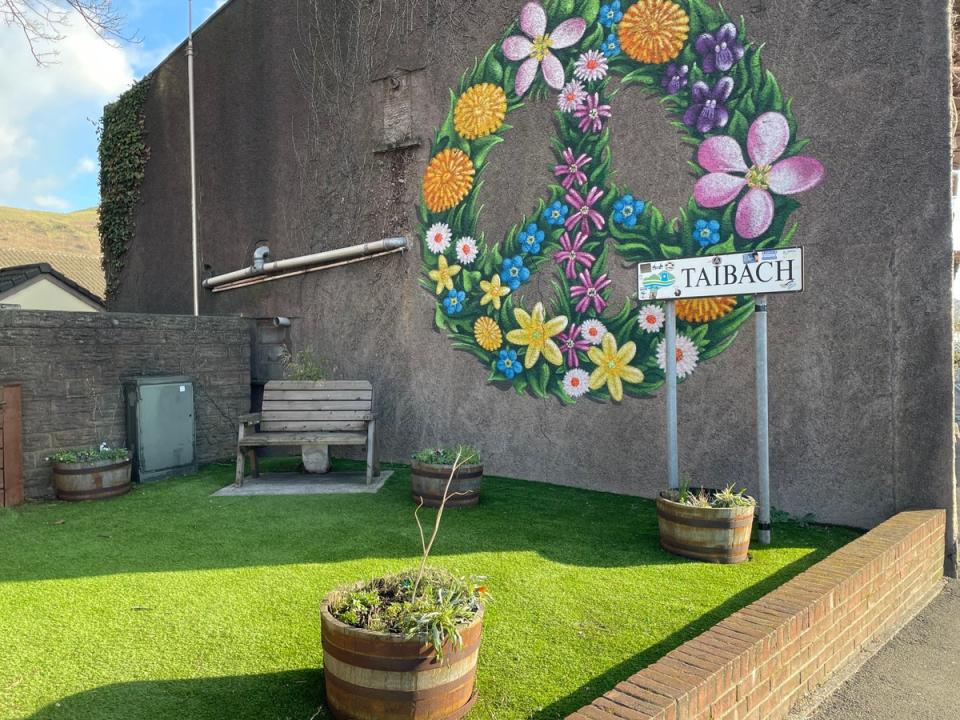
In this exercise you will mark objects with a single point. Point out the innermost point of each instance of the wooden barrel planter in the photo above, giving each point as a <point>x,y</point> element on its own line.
<point>717,535</point>
<point>382,676</point>
<point>427,481</point>
<point>93,480</point>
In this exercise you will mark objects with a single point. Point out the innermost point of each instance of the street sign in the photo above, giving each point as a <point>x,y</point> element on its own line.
<point>761,272</point>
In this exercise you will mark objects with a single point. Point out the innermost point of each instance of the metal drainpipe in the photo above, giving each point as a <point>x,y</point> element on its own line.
<point>193,167</point>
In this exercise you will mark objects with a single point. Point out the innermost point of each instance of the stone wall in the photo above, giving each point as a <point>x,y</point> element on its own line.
<point>861,401</point>
<point>72,367</point>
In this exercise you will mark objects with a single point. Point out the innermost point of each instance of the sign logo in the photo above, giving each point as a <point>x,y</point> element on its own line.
<point>662,279</point>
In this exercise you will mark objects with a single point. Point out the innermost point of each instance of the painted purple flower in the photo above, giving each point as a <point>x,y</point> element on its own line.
<point>572,169</point>
<point>589,292</point>
<point>534,49</point>
<point>572,254</point>
<point>720,49</point>
<point>591,113</point>
<point>583,212</point>
<point>674,78</point>
<point>708,112</point>
<point>767,139</point>
<point>569,342</point>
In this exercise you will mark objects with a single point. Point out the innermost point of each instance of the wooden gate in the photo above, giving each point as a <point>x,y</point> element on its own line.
<point>11,457</point>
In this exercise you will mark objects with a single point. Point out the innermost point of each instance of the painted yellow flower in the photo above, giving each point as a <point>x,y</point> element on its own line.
<point>535,333</point>
<point>701,310</point>
<point>653,31</point>
<point>480,111</point>
<point>448,179</point>
<point>443,275</point>
<point>613,366</point>
<point>493,291</point>
<point>487,333</point>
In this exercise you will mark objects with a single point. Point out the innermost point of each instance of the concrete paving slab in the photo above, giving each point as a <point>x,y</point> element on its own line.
<point>304,484</point>
<point>913,676</point>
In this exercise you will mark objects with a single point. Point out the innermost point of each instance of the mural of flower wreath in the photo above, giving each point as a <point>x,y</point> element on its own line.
<point>747,166</point>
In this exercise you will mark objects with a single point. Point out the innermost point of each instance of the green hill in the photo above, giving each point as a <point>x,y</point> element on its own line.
<point>48,231</point>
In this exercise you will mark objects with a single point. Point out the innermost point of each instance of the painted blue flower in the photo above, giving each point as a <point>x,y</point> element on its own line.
<point>706,232</point>
<point>514,274</point>
<point>508,364</point>
<point>610,13</point>
<point>611,46</point>
<point>556,214</point>
<point>453,302</point>
<point>530,239</point>
<point>626,210</point>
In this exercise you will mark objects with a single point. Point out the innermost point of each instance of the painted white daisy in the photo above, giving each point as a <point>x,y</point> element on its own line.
<point>438,237</point>
<point>466,250</point>
<point>593,331</point>
<point>572,96</point>
<point>687,355</point>
<point>575,382</point>
<point>651,318</point>
<point>591,65</point>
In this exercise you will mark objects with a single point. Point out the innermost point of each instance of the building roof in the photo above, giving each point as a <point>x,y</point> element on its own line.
<point>82,269</point>
<point>11,277</point>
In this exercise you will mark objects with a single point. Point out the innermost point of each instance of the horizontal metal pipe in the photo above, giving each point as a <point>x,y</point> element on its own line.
<point>323,258</point>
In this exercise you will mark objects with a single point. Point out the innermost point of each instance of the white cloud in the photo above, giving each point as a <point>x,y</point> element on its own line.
<point>86,165</point>
<point>87,74</point>
<point>51,202</point>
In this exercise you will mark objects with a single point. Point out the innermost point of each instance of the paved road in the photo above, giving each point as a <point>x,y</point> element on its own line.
<point>915,676</point>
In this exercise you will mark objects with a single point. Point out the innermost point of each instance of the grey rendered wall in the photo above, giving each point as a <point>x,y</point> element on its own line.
<point>72,367</point>
<point>861,391</point>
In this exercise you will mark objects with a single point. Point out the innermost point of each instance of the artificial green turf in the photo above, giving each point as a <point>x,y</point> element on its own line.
<point>168,603</point>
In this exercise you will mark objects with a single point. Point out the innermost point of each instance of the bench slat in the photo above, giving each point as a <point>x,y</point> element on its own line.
<point>309,426</point>
<point>316,396</point>
<point>273,415</point>
<point>319,385</point>
<point>304,438</point>
<point>269,405</point>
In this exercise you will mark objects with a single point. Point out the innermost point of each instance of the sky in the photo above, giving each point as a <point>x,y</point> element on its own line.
<point>48,115</point>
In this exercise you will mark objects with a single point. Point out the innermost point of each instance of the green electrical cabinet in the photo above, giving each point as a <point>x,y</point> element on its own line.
<point>161,429</point>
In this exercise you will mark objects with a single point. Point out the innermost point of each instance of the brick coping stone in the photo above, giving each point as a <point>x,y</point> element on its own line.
<point>762,660</point>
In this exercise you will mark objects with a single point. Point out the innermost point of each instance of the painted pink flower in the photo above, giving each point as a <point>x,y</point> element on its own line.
<point>766,141</point>
<point>583,212</point>
<point>571,96</point>
<point>534,49</point>
<point>569,342</point>
<point>572,169</point>
<point>592,113</point>
<point>571,254</point>
<point>589,292</point>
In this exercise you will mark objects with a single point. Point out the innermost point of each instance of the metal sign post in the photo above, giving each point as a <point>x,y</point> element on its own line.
<point>763,434</point>
<point>673,457</point>
<point>759,273</point>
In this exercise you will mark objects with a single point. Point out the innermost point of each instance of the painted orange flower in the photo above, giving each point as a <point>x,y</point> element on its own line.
<point>701,310</point>
<point>448,179</point>
<point>480,111</point>
<point>487,333</point>
<point>653,31</point>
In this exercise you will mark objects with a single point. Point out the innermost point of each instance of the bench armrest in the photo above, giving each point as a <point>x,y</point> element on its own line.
<point>249,419</point>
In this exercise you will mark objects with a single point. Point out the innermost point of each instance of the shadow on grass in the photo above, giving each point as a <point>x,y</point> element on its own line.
<point>294,694</point>
<point>175,525</point>
<point>616,674</point>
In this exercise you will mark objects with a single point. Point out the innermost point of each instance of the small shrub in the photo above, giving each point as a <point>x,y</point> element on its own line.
<point>303,365</point>
<point>726,498</point>
<point>448,456</point>
<point>82,455</point>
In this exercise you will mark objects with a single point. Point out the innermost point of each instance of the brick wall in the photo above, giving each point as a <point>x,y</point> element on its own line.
<point>72,367</point>
<point>760,661</point>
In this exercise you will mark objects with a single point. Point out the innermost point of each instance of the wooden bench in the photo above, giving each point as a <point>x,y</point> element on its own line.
<point>327,412</point>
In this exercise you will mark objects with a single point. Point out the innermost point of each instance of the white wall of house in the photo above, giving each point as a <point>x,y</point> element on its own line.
<point>45,293</point>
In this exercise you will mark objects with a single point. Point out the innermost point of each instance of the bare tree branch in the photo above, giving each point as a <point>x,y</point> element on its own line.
<point>44,22</point>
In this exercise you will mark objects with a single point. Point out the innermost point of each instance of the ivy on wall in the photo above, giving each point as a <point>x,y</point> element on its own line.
<point>123,159</point>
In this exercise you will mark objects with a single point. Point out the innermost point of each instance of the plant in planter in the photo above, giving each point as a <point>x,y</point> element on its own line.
<point>91,473</point>
<point>704,524</point>
<point>405,645</point>
<point>430,469</point>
